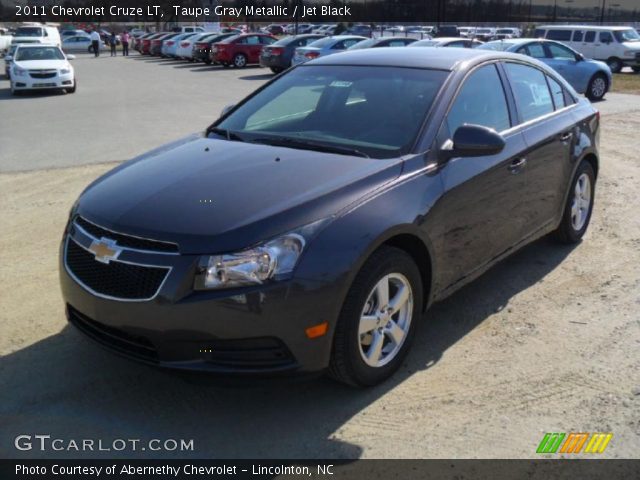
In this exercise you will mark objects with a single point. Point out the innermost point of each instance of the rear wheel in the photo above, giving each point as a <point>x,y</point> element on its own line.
<point>615,64</point>
<point>225,64</point>
<point>239,60</point>
<point>577,211</point>
<point>377,321</point>
<point>598,86</point>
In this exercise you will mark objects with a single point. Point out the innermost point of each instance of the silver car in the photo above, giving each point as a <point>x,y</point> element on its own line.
<point>325,46</point>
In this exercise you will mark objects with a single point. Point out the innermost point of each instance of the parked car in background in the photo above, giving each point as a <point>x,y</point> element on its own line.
<point>447,31</point>
<point>451,42</point>
<point>278,55</point>
<point>507,32</point>
<point>326,29</point>
<point>8,59</point>
<point>362,30</point>
<point>37,34</point>
<point>274,29</point>
<point>325,46</point>
<point>188,29</point>
<point>383,42</point>
<point>72,33</point>
<point>467,32</point>
<point>398,180</point>
<point>185,47</point>
<point>155,48</point>
<point>171,44</point>
<point>590,77</point>
<point>79,43</point>
<point>485,34</point>
<point>145,46</point>
<point>137,45</point>
<point>617,45</point>
<point>241,50</point>
<point>303,28</point>
<point>201,50</point>
<point>41,66</point>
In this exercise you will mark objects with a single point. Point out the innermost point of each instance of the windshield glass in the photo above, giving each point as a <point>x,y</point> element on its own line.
<point>377,111</point>
<point>39,53</point>
<point>28,32</point>
<point>629,35</point>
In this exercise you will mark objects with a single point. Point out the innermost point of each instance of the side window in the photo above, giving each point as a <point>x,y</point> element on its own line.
<point>560,52</point>
<point>396,43</point>
<point>338,46</point>
<point>530,91</point>
<point>535,50</point>
<point>577,36</point>
<point>557,93</point>
<point>253,40</point>
<point>538,33</point>
<point>267,40</point>
<point>606,37</point>
<point>480,101</point>
<point>456,45</point>
<point>349,43</point>
<point>590,36</point>
<point>561,35</point>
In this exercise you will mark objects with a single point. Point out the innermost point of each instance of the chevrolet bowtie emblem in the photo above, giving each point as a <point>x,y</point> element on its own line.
<point>105,250</point>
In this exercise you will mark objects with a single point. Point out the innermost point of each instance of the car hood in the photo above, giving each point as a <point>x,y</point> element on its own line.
<point>213,195</point>
<point>42,64</point>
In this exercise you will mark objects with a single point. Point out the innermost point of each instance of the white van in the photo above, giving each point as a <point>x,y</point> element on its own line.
<point>618,46</point>
<point>37,34</point>
<point>189,29</point>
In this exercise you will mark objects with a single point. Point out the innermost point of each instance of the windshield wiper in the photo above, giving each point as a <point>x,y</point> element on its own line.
<point>228,134</point>
<point>309,145</point>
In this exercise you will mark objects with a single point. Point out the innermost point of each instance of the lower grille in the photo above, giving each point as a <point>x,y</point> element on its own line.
<point>247,353</point>
<point>132,345</point>
<point>116,279</point>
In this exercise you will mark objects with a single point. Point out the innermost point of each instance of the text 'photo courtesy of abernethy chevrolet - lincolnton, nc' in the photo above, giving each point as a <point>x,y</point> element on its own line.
<point>310,227</point>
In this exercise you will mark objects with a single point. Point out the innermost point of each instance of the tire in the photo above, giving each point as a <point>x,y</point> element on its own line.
<point>225,64</point>
<point>350,347</point>
<point>73,89</point>
<point>597,88</point>
<point>207,61</point>
<point>570,230</point>
<point>14,92</point>
<point>276,70</point>
<point>239,60</point>
<point>615,64</point>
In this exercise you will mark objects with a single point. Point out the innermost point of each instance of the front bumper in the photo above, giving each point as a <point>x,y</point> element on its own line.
<point>26,82</point>
<point>251,330</point>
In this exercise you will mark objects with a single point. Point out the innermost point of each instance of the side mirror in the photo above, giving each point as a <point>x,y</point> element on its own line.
<point>579,57</point>
<point>474,141</point>
<point>71,57</point>
<point>226,109</point>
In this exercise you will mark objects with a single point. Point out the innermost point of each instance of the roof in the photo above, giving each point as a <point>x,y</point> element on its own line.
<point>585,27</point>
<point>424,57</point>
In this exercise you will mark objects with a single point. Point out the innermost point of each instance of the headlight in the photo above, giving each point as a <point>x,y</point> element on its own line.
<point>19,72</point>
<point>272,260</point>
<point>64,71</point>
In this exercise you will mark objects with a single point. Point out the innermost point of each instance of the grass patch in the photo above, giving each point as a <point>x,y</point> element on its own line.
<point>626,83</point>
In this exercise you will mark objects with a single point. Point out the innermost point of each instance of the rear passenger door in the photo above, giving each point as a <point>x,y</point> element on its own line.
<point>479,215</point>
<point>548,128</point>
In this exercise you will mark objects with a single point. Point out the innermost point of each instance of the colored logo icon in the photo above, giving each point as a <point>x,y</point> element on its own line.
<point>574,442</point>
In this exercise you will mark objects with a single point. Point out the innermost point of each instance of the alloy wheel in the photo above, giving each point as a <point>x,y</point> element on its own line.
<point>598,87</point>
<point>581,202</point>
<point>385,320</point>
<point>239,61</point>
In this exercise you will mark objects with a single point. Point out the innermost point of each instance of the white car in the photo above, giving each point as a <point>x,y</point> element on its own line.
<point>170,46</point>
<point>39,67</point>
<point>37,34</point>
<point>80,43</point>
<point>185,46</point>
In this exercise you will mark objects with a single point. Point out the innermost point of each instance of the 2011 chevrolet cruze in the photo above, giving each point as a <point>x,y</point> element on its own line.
<point>310,226</point>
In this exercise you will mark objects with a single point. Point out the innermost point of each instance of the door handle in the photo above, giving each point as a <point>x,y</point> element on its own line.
<point>565,137</point>
<point>517,165</point>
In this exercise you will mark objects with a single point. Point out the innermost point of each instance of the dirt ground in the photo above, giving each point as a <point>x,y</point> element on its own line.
<point>548,341</point>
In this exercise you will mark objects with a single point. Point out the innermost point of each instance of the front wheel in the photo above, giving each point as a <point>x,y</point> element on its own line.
<point>377,321</point>
<point>577,210</point>
<point>598,86</point>
<point>73,89</point>
<point>239,61</point>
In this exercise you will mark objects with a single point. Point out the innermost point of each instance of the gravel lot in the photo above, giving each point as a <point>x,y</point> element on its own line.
<point>547,341</point>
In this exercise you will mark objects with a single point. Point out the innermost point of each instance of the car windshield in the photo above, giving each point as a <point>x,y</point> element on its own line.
<point>323,42</point>
<point>499,46</point>
<point>39,53</point>
<point>629,35</point>
<point>28,32</point>
<point>371,111</point>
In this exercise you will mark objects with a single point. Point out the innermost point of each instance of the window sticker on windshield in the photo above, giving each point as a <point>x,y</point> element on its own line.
<point>341,84</point>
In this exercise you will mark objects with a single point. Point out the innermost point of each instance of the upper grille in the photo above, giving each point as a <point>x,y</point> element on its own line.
<point>42,73</point>
<point>115,279</point>
<point>126,240</point>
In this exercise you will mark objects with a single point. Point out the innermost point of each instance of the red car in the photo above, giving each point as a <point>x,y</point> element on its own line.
<point>145,47</point>
<point>240,50</point>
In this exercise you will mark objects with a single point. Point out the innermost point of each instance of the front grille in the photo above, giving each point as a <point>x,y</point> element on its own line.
<point>42,73</point>
<point>126,240</point>
<point>247,353</point>
<point>124,342</point>
<point>116,279</point>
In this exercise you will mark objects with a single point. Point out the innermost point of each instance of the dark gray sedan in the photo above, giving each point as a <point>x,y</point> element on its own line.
<point>300,233</point>
<point>278,55</point>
